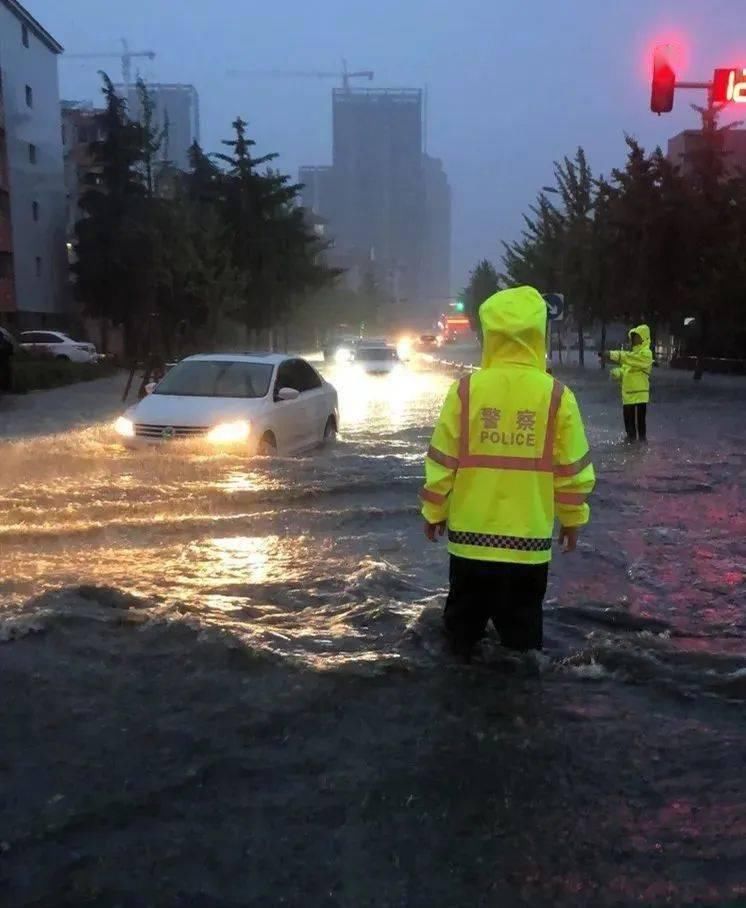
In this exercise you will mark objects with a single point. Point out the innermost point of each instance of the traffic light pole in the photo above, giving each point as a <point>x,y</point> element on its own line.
<point>708,113</point>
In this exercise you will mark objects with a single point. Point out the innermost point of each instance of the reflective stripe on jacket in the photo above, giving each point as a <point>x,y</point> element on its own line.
<point>635,368</point>
<point>509,451</point>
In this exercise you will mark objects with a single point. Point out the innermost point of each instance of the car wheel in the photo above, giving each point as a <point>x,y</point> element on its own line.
<point>268,445</point>
<point>63,357</point>
<point>330,431</point>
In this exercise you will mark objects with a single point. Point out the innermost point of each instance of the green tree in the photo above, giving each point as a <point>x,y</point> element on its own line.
<point>110,238</point>
<point>273,246</point>
<point>715,279</point>
<point>535,258</point>
<point>577,194</point>
<point>484,281</point>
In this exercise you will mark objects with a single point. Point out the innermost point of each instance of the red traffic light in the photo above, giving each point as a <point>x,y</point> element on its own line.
<point>729,86</point>
<point>664,83</point>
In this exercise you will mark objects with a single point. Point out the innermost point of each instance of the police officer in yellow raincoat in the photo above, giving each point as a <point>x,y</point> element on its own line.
<point>634,370</point>
<point>508,455</point>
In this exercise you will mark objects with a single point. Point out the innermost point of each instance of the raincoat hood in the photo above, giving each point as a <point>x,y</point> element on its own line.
<point>514,325</point>
<point>643,332</point>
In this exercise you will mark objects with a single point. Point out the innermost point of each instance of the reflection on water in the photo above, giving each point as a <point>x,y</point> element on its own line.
<point>324,555</point>
<point>386,404</point>
<point>178,591</point>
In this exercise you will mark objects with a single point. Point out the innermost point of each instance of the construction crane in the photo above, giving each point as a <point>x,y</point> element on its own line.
<point>126,56</point>
<point>344,76</point>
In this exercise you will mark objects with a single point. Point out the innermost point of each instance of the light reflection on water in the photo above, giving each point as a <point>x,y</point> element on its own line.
<point>252,545</point>
<point>328,547</point>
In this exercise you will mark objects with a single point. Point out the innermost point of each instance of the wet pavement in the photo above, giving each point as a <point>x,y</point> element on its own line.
<point>229,687</point>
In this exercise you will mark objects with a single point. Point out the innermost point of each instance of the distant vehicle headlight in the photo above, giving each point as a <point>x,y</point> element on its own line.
<point>343,355</point>
<point>124,427</point>
<point>229,432</point>
<point>404,348</point>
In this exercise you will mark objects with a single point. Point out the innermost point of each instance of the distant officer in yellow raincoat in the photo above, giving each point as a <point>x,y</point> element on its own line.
<point>634,371</point>
<point>508,455</point>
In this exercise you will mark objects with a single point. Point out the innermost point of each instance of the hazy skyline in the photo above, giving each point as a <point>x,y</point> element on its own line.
<point>511,87</point>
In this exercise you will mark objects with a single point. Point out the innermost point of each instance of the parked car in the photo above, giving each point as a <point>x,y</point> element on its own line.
<point>59,345</point>
<point>255,403</point>
<point>8,338</point>
<point>7,350</point>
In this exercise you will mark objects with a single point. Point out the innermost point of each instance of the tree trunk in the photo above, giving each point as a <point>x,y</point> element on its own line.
<point>581,346</point>
<point>103,328</point>
<point>131,345</point>
<point>699,369</point>
<point>285,338</point>
<point>603,344</point>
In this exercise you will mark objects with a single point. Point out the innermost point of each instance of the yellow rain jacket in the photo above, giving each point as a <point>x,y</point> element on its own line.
<point>509,452</point>
<point>635,368</point>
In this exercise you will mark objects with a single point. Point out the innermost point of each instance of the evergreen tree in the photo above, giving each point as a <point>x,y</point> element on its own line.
<point>484,281</point>
<point>110,239</point>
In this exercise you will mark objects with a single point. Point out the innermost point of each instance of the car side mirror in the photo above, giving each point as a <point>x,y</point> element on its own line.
<point>150,387</point>
<point>288,394</point>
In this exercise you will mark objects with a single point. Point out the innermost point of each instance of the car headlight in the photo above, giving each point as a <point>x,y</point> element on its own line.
<point>343,355</point>
<point>404,348</point>
<point>229,432</point>
<point>124,427</point>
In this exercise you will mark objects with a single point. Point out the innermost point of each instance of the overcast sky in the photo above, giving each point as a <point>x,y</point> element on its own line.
<point>513,84</point>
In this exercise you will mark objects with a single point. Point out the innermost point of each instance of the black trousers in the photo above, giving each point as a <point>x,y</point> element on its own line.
<point>511,595</point>
<point>636,421</point>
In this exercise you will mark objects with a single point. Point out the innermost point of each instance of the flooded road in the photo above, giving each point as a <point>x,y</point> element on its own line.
<point>228,685</point>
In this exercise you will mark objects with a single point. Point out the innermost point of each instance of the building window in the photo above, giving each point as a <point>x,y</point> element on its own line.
<point>29,96</point>
<point>38,266</point>
<point>32,153</point>
<point>35,210</point>
<point>24,35</point>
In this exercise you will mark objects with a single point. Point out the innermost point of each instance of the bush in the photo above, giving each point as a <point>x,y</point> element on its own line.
<point>39,373</point>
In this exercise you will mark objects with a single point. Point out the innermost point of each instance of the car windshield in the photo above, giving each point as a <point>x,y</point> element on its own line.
<point>377,354</point>
<point>220,378</point>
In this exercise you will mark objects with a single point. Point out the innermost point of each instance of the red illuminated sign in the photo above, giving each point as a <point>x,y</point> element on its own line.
<point>729,86</point>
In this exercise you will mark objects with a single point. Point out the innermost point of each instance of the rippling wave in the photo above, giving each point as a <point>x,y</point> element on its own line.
<point>321,559</point>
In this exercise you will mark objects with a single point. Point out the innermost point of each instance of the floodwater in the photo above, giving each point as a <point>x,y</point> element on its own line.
<point>227,686</point>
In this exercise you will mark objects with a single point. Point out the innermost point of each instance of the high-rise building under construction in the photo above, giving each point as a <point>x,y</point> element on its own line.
<point>386,206</point>
<point>175,113</point>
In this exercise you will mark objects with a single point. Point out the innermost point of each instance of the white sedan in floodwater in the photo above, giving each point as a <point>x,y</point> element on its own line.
<point>258,403</point>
